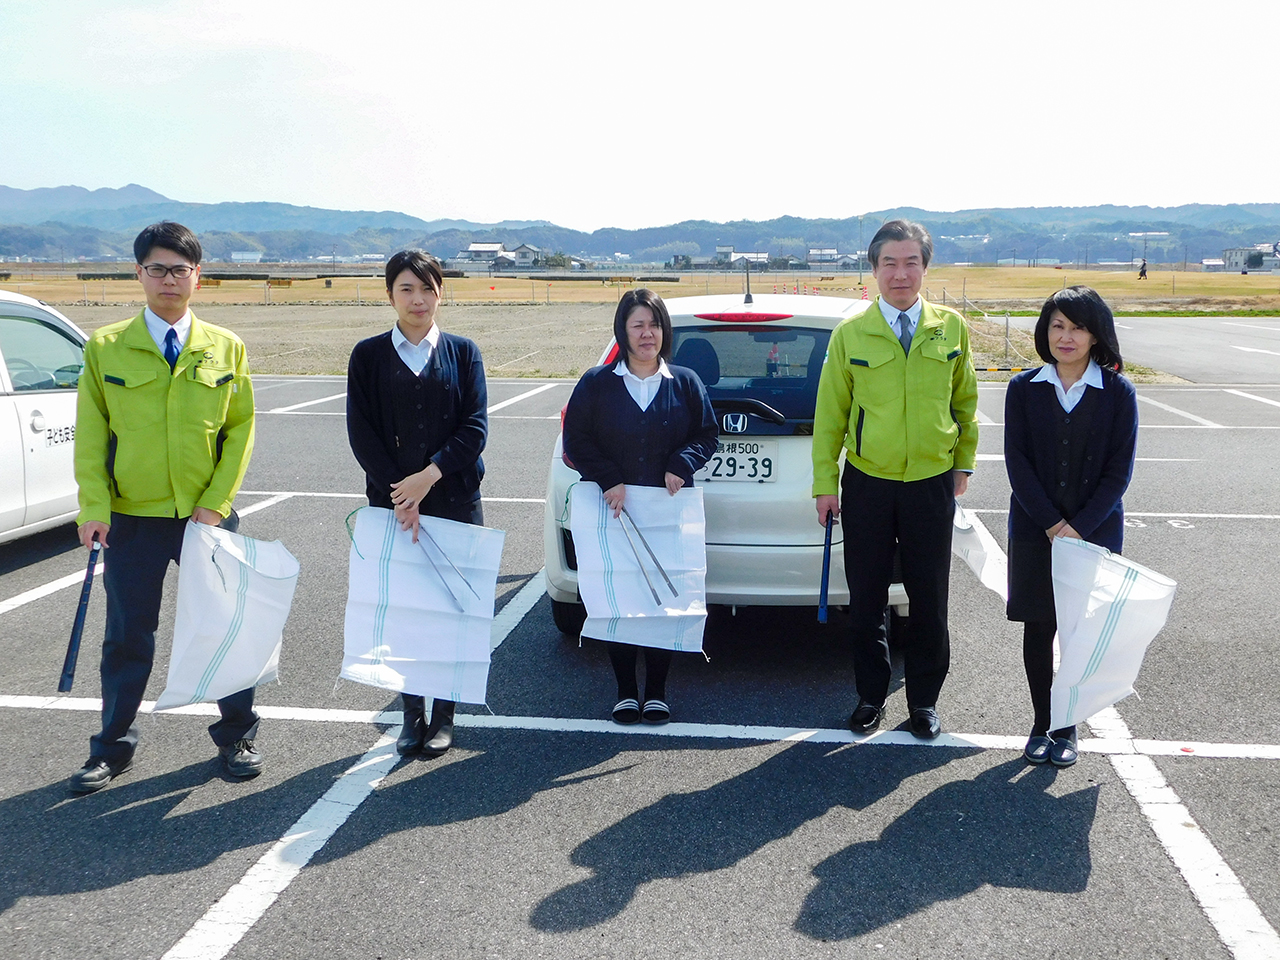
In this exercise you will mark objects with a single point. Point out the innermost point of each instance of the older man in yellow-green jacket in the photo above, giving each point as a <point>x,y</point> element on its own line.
<point>164,430</point>
<point>899,396</point>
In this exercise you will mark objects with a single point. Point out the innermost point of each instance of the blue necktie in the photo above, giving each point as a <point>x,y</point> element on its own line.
<point>171,348</point>
<point>904,324</point>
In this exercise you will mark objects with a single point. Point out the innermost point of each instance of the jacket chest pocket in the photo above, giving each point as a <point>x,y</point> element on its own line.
<point>209,394</point>
<point>136,399</point>
<point>876,378</point>
<point>940,354</point>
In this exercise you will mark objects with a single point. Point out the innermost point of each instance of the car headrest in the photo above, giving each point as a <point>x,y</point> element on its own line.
<point>699,356</point>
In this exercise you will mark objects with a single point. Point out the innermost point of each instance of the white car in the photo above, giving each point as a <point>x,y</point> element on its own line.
<point>41,356</point>
<point>760,362</point>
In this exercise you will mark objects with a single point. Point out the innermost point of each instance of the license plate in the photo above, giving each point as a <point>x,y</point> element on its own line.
<point>750,461</point>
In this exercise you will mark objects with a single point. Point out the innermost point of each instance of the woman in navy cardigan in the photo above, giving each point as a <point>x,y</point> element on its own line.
<point>1071,429</point>
<point>417,419</point>
<point>639,421</point>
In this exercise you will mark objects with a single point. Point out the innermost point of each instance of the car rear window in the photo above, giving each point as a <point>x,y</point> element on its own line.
<point>775,365</point>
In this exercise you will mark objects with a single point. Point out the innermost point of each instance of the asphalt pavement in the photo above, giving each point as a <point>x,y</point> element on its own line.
<point>753,826</point>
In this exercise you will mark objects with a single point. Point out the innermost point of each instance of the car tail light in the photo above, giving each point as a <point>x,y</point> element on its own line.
<point>612,354</point>
<point>744,317</point>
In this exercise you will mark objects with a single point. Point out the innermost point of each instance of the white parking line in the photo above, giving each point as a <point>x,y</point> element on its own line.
<point>307,403</point>
<point>1104,743</point>
<point>495,407</point>
<point>1240,924</point>
<point>1251,326</point>
<point>1166,516</point>
<point>220,929</point>
<point>1181,413</point>
<point>1250,396</point>
<point>53,586</point>
<point>1274,353</point>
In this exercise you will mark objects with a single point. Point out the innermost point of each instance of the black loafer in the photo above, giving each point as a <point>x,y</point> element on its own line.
<point>241,759</point>
<point>96,774</point>
<point>925,724</point>
<point>865,717</point>
<point>1037,749</point>
<point>1063,753</point>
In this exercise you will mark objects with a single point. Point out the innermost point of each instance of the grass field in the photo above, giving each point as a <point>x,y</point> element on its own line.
<point>526,340</point>
<point>993,289</point>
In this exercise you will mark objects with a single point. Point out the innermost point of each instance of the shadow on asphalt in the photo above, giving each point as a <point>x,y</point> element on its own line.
<point>52,843</point>
<point>997,829</point>
<point>39,546</point>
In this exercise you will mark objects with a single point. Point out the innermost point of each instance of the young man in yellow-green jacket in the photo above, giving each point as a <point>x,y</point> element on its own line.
<point>899,396</point>
<point>164,430</point>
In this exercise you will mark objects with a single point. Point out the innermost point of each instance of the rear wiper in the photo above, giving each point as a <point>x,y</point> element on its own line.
<point>756,407</point>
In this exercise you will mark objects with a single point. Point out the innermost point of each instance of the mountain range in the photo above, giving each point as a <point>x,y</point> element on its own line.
<point>73,222</point>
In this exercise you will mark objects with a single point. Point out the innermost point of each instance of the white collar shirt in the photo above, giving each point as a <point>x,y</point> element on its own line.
<point>159,328</point>
<point>642,390</point>
<point>416,356</point>
<point>890,314</point>
<point>1069,398</point>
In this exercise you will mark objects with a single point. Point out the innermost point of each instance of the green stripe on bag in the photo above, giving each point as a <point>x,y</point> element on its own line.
<point>384,590</point>
<point>233,628</point>
<point>1104,637</point>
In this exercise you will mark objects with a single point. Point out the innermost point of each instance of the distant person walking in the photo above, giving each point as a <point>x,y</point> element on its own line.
<point>164,430</point>
<point>1071,429</point>
<point>1142,270</point>
<point>899,396</point>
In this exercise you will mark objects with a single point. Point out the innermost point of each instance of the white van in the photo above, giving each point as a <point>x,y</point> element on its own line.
<point>41,357</point>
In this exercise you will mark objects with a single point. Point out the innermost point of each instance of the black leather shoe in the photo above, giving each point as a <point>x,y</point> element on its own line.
<point>865,717</point>
<point>439,736</point>
<point>1063,753</point>
<point>411,736</point>
<point>1037,749</point>
<point>240,759</point>
<point>925,724</point>
<point>96,774</point>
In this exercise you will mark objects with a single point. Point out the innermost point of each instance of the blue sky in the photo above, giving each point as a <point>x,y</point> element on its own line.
<point>640,114</point>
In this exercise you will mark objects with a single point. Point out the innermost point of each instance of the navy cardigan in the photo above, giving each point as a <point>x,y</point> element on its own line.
<point>398,423</point>
<point>610,440</point>
<point>1030,449</point>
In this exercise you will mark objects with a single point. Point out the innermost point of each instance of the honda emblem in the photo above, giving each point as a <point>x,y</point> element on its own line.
<point>735,423</point>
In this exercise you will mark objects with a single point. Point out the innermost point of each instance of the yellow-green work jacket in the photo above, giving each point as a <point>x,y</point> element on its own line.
<point>898,416</point>
<point>155,443</point>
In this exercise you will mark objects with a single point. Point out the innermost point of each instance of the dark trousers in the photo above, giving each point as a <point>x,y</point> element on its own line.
<point>136,563</point>
<point>1037,658</point>
<point>414,706</point>
<point>917,517</point>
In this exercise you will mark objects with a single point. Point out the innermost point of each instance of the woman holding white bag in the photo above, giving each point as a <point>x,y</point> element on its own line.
<point>417,421</point>
<point>1071,430</point>
<point>639,422</point>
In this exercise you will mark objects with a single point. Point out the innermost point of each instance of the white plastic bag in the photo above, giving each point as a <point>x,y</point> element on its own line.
<point>619,601</point>
<point>419,614</point>
<point>1109,610</point>
<point>973,543</point>
<point>234,595</point>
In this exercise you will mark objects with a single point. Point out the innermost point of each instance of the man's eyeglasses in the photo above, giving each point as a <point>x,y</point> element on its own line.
<point>180,270</point>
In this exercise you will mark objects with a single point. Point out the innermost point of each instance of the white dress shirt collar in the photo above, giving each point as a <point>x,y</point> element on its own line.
<point>1069,398</point>
<point>642,390</point>
<point>158,327</point>
<point>415,356</point>
<point>890,314</point>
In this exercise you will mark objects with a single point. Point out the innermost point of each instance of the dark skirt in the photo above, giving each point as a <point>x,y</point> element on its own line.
<point>1031,580</point>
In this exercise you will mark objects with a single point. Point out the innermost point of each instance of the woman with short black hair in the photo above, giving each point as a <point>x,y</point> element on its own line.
<point>639,421</point>
<point>417,419</point>
<point>1071,430</point>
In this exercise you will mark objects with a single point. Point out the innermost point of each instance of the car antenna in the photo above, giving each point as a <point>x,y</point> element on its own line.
<point>747,264</point>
